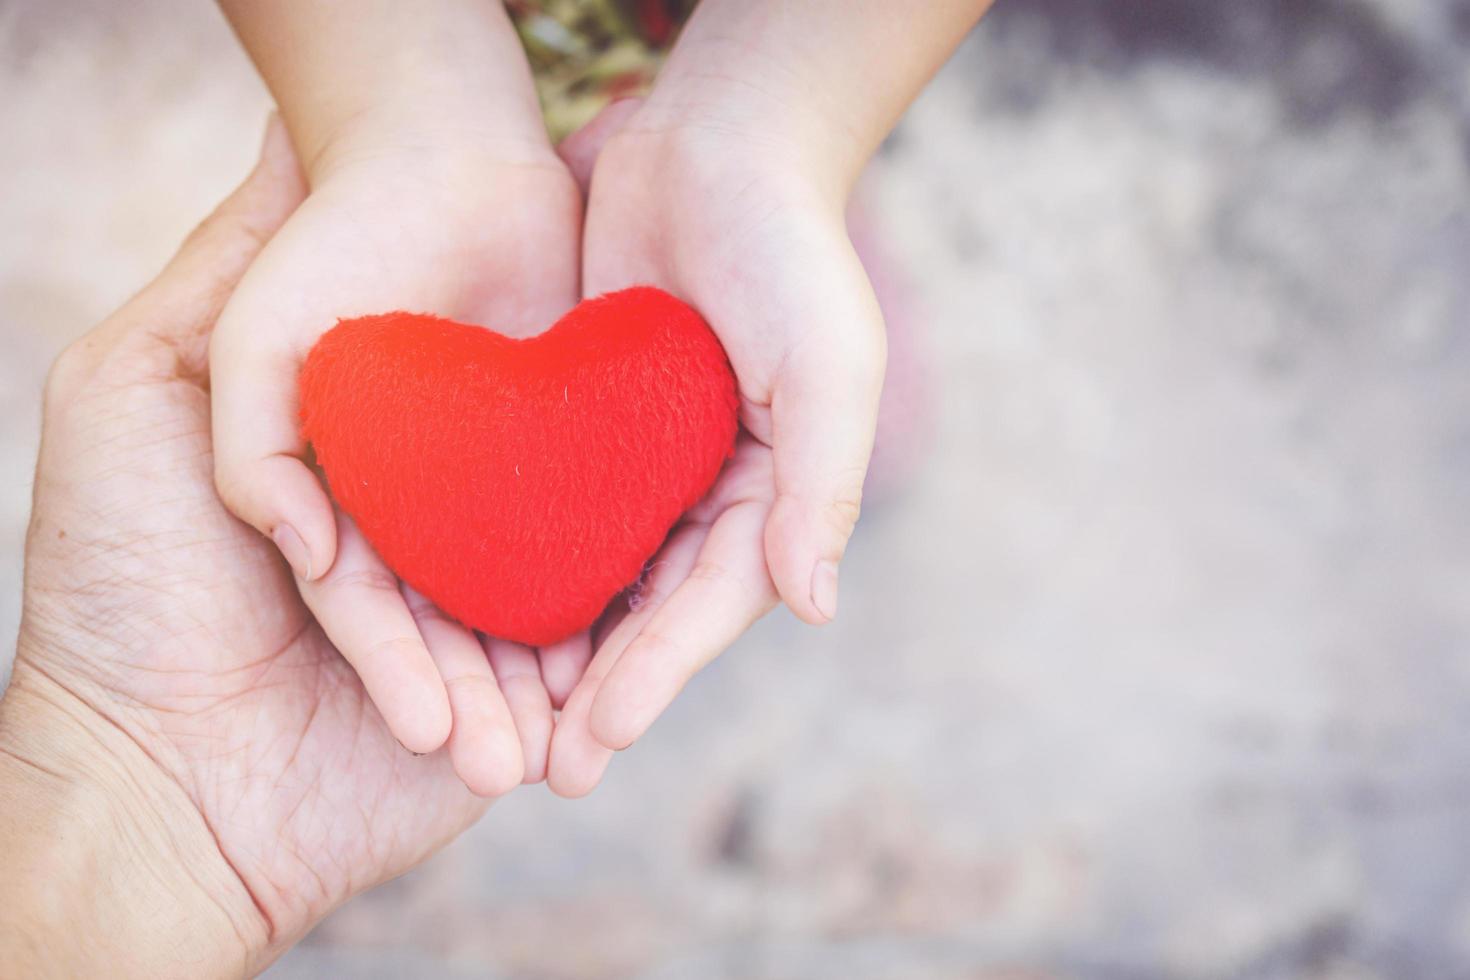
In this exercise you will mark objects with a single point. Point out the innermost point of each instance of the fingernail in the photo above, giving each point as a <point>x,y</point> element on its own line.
<point>294,549</point>
<point>824,588</point>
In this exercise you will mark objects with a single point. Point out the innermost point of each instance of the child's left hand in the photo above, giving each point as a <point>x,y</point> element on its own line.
<point>761,250</point>
<point>471,235</point>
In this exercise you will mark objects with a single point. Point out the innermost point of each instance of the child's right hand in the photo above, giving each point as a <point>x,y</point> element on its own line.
<point>434,188</point>
<point>481,234</point>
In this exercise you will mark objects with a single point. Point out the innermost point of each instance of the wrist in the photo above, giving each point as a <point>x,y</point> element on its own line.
<point>110,869</point>
<point>410,76</point>
<point>416,130</point>
<point>717,89</point>
<point>689,160</point>
<point>726,131</point>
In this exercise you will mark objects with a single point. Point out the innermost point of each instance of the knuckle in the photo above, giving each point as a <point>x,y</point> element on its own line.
<point>225,230</point>
<point>69,373</point>
<point>426,613</point>
<point>707,570</point>
<point>751,588</point>
<point>660,646</point>
<point>362,580</point>
<point>646,594</point>
<point>392,649</point>
<point>230,482</point>
<point>843,511</point>
<point>522,685</point>
<point>477,687</point>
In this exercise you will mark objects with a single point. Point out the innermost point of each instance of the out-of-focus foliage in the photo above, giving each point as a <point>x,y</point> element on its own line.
<point>585,53</point>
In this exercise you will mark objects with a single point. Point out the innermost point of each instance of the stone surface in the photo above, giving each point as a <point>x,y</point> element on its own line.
<point>1157,666</point>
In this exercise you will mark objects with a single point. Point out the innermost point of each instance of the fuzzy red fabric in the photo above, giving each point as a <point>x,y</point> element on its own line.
<point>521,484</point>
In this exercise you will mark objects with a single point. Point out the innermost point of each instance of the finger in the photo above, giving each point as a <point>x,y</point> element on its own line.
<point>258,449</point>
<point>520,679</point>
<point>579,150</point>
<point>824,409</point>
<point>181,305</point>
<point>562,665</point>
<point>578,759</point>
<point>279,496</point>
<point>727,590</point>
<point>484,746</point>
<point>362,612</point>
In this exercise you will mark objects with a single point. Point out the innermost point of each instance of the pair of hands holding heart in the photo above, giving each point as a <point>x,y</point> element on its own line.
<point>513,239</point>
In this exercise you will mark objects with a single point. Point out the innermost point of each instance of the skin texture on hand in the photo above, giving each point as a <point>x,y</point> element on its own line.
<point>175,633</point>
<point>467,238</point>
<point>728,188</point>
<point>433,190</point>
<point>767,261</point>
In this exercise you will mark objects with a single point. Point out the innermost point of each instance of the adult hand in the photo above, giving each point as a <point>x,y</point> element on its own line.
<point>190,774</point>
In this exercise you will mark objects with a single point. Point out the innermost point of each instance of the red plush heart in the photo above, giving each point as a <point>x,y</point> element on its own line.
<point>521,484</point>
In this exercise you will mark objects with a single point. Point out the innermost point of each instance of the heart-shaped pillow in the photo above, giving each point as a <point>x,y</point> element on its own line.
<point>521,484</point>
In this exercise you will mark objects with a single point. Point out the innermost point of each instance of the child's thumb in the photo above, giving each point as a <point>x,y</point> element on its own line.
<point>824,411</point>
<point>579,151</point>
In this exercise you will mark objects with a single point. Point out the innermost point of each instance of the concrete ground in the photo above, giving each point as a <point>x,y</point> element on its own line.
<point>1159,666</point>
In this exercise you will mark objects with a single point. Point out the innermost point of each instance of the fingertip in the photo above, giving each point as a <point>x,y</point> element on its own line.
<point>314,519</point>
<point>312,551</point>
<point>614,728</point>
<point>483,743</point>
<point>490,774</point>
<point>803,571</point>
<point>824,589</point>
<point>577,761</point>
<point>519,677</point>
<point>572,789</point>
<point>281,497</point>
<point>294,550</point>
<point>418,739</point>
<point>410,695</point>
<point>576,780</point>
<point>424,722</point>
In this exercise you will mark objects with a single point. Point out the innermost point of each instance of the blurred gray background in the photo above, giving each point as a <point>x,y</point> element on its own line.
<point>1158,665</point>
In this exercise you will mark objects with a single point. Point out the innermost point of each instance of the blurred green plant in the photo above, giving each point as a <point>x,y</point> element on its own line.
<point>586,53</point>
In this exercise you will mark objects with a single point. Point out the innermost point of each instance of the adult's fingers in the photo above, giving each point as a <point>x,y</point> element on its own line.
<point>519,675</point>
<point>359,606</point>
<point>175,313</point>
<point>484,746</point>
<point>824,409</point>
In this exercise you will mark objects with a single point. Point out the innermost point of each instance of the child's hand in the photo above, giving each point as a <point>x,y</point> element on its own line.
<point>461,233</point>
<point>728,187</point>
<point>434,189</point>
<point>740,232</point>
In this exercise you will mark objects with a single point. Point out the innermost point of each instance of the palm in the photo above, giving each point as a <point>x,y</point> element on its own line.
<point>481,241</point>
<point>492,242</point>
<point>769,266</point>
<point>202,652</point>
